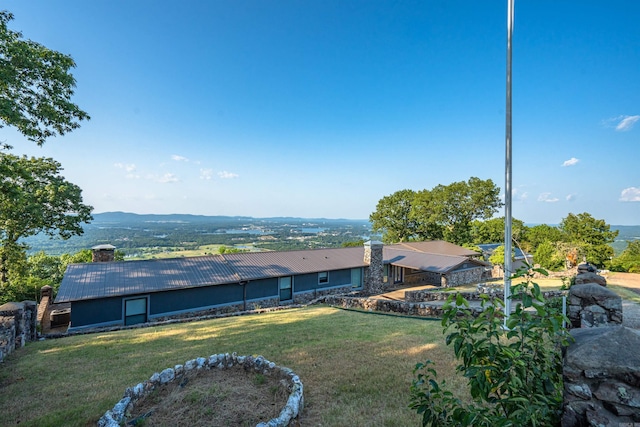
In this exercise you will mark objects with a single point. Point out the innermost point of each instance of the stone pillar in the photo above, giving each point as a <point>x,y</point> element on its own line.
<point>592,305</point>
<point>103,253</point>
<point>46,297</point>
<point>373,275</point>
<point>601,385</point>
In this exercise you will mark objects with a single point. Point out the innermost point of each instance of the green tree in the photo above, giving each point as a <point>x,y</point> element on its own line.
<point>34,199</point>
<point>497,257</point>
<point>492,230</point>
<point>593,236</point>
<point>392,217</point>
<point>535,235</point>
<point>449,210</point>
<point>629,259</point>
<point>444,212</point>
<point>549,256</point>
<point>35,87</point>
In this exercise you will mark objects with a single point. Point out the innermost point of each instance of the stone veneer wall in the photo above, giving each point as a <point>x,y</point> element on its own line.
<point>462,277</point>
<point>373,274</point>
<point>17,326</point>
<point>117,416</point>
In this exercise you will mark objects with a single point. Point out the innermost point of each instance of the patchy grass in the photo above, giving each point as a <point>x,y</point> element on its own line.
<point>356,367</point>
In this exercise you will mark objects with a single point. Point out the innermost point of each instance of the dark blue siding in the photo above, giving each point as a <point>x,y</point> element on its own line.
<point>337,278</point>
<point>194,298</point>
<point>305,282</point>
<point>89,312</point>
<point>267,288</point>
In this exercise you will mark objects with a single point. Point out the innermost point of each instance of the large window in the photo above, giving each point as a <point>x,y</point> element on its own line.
<point>135,311</point>
<point>286,290</point>
<point>356,277</point>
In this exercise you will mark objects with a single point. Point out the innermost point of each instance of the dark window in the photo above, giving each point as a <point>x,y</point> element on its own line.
<point>286,290</point>
<point>135,311</point>
<point>323,277</point>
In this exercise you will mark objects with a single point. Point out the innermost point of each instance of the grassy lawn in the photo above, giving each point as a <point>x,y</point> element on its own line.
<point>356,367</point>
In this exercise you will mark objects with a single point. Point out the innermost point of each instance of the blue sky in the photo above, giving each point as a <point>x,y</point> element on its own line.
<point>320,108</point>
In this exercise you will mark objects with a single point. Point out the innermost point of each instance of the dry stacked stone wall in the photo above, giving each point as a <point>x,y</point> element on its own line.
<point>602,367</point>
<point>17,326</point>
<point>116,417</point>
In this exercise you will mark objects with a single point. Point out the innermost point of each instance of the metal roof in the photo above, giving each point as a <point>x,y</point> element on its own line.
<point>107,279</point>
<point>435,263</point>
<point>490,247</point>
<point>436,247</point>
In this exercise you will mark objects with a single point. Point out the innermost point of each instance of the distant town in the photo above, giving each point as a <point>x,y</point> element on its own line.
<point>153,236</point>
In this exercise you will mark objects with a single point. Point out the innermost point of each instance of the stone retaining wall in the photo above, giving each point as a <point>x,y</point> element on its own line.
<point>422,309</point>
<point>117,416</point>
<point>429,295</point>
<point>17,326</point>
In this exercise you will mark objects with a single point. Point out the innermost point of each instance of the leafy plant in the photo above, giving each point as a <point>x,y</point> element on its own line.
<point>513,367</point>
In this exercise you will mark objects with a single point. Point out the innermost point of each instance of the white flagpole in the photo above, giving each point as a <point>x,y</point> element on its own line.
<point>508,178</point>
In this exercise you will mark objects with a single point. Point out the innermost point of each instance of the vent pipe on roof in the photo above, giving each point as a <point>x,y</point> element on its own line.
<point>373,274</point>
<point>103,253</point>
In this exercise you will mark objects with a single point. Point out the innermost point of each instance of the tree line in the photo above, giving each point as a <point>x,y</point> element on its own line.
<point>463,213</point>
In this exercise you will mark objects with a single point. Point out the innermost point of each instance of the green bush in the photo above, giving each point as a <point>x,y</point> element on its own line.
<point>514,373</point>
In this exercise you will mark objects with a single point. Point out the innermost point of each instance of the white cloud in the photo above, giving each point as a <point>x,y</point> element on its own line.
<point>206,174</point>
<point>129,167</point>
<point>519,195</point>
<point>179,158</point>
<point>227,175</point>
<point>570,197</point>
<point>631,194</point>
<point>626,122</point>
<point>168,177</point>
<point>545,197</point>
<point>572,161</point>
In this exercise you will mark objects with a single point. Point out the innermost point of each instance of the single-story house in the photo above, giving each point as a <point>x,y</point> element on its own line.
<point>129,292</point>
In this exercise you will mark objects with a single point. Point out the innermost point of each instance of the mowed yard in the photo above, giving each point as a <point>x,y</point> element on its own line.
<point>356,367</point>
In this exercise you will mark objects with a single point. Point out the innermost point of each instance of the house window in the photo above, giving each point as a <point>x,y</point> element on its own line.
<point>135,311</point>
<point>397,274</point>
<point>323,277</point>
<point>356,277</point>
<point>286,293</point>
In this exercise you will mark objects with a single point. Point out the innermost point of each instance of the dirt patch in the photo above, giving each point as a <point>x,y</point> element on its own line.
<point>626,280</point>
<point>214,397</point>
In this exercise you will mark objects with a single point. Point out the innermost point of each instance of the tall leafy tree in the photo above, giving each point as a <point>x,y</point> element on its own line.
<point>444,212</point>
<point>35,87</point>
<point>393,217</point>
<point>541,233</point>
<point>492,230</point>
<point>35,198</point>
<point>591,235</point>
<point>454,207</point>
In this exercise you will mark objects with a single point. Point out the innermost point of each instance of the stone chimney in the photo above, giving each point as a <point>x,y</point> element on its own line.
<point>103,253</point>
<point>373,275</point>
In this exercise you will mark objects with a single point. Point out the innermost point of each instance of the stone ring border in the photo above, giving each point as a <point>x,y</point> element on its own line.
<point>116,416</point>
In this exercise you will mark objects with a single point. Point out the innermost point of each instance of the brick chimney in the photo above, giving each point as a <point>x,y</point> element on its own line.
<point>103,253</point>
<point>373,275</point>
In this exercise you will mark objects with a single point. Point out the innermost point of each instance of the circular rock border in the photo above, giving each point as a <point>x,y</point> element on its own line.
<point>114,417</point>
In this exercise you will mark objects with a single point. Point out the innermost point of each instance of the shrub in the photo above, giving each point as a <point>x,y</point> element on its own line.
<point>514,373</point>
